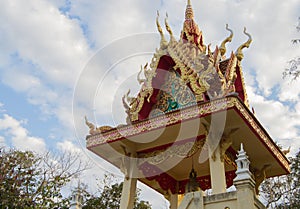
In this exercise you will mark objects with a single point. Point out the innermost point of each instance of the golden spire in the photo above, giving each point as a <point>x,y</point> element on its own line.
<point>189,14</point>
<point>191,32</point>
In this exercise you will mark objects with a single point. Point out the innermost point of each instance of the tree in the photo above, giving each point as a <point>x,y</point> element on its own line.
<point>29,180</point>
<point>293,70</point>
<point>284,191</point>
<point>110,197</point>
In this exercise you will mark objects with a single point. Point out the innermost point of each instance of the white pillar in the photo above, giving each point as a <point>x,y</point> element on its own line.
<point>128,193</point>
<point>217,171</point>
<point>130,181</point>
<point>173,201</point>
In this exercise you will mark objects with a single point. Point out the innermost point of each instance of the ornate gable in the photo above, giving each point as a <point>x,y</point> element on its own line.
<point>186,72</point>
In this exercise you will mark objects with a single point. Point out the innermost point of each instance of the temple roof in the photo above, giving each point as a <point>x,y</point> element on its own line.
<point>184,91</point>
<point>185,72</point>
<point>166,145</point>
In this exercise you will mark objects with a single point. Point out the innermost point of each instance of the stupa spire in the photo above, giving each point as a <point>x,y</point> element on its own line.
<point>189,13</point>
<point>191,32</point>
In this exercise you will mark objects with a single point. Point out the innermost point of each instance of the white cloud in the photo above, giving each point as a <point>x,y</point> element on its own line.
<point>2,109</point>
<point>20,136</point>
<point>2,142</point>
<point>111,20</point>
<point>290,91</point>
<point>281,121</point>
<point>43,52</point>
<point>68,146</point>
<point>158,201</point>
<point>56,46</point>
<point>39,33</point>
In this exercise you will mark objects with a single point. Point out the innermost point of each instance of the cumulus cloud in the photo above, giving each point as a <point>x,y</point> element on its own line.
<point>68,146</point>
<point>20,136</point>
<point>42,53</point>
<point>39,33</point>
<point>281,121</point>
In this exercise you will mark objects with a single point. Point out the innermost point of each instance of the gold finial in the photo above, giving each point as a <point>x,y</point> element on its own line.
<point>142,80</point>
<point>189,14</point>
<point>91,126</point>
<point>208,49</point>
<point>228,39</point>
<point>163,41</point>
<point>168,28</point>
<point>239,53</point>
<point>158,25</point>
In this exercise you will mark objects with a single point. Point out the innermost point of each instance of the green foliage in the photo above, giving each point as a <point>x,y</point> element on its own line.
<point>284,191</point>
<point>28,180</point>
<point>293,69</point>
<point>110,197</point>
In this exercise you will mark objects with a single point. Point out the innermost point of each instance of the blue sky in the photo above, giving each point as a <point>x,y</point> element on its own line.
<point>47,45</point>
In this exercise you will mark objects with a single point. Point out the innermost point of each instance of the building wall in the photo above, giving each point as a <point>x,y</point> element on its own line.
<point>228,200</point>
<point>221,201</point>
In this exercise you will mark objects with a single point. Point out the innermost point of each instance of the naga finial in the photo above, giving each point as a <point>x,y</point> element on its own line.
<point>163,41</point>
<point>222,47</point>
<point>209,50</point>
<point>168,28</point>
<point>239,53</point>
<point>91,126</point>
<point>140,80</point>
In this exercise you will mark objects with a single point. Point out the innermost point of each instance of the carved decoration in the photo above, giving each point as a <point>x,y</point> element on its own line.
<point>200,72</point>
<point>228,39</point>
<point>286,151</point>
<point>185,150</point>
<point>185,114</point>
<point>239,53</point>
<point>226,142</point>
<point>173,94</point>
<point>133,105</point>
<point>168,183</point>
<point>95,130</point>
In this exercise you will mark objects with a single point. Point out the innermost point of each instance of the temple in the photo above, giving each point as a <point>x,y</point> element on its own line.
<point>190,128</point>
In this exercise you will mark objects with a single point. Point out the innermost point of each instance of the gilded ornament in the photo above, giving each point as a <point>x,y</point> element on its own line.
<point>96,130</point>
<point>185,150</point>
<point>163,41</point>
<point>168,28</point>
<point>239,53</point>
<point>228,39</point>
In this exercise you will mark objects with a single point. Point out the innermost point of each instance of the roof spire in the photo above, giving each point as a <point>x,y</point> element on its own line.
<point>191,32</point>
<point>189,14</point>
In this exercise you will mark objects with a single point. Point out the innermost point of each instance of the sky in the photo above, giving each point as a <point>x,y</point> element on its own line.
<point>61,60</point>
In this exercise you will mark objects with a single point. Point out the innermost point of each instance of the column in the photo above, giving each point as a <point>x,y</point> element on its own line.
<point>130,181</point>
<point>173,201</point>
<point>217,170</point>
<point>128,193</point>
